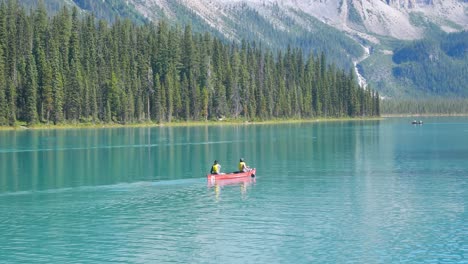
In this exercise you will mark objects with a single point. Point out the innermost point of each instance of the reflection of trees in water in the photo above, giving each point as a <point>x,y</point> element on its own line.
<point>314,145</point>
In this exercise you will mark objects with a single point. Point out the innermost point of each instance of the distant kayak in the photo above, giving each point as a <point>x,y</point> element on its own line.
<point>232,175</point>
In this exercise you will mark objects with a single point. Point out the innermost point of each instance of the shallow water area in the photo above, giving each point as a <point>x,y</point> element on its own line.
<point>339,192</point>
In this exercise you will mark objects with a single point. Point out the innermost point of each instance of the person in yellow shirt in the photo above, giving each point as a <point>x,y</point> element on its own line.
<point>242,166</point>
<point>216,168</point>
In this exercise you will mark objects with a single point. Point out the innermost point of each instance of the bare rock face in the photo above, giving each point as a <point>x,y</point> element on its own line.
<point>405,3</point>
<point>394,18</point>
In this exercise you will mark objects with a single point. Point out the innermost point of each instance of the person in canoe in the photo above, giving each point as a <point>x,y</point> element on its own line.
<point>243,167</point>
<point>216,168</point>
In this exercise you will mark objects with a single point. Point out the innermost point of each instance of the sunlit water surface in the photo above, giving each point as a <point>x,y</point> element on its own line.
<point>339,192</point>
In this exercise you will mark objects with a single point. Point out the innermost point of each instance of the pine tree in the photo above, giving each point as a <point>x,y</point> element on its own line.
<point>307,86</point>
<point>40,39</point>
<point>31,91</point>
<point>129,107</point>
<point>114,98</point>
<point>45,85</point>
<point>57,89</point>
<point>103,72</point>
<point>74,77</point>
<point>3,83</point>
<point>234,91</point>
<point>169,86</point>
<point>204,103</point>
<point>185,111</point>
<point>40,27</point>
<point>3,101</point>
<point>3,25</point>
<point>62,26</point>
<point>190,61</point>
<point>73,92</point>
<point>158,100</point>
<point>162,51</point>
<point>90,71</point>
<point>108,113</point>
<point>252,87</point>
<point>377,104</point>
<point>150,91</point>
<point>11,60</point>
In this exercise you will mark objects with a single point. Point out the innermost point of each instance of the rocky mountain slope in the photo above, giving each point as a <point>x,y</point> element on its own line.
<point>382,17</point>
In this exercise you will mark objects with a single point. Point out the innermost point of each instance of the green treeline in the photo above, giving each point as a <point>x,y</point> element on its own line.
<point>439,106</point>
<point>70,68</point>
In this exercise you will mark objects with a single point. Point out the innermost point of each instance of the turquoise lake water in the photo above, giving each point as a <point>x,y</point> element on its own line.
<point>339,192</point>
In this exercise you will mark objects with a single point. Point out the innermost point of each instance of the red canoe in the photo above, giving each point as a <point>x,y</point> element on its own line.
<point>232,175</point>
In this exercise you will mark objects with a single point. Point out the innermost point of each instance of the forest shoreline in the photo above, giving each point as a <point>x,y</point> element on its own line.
<point>20,127</point>
<point>422,115</point>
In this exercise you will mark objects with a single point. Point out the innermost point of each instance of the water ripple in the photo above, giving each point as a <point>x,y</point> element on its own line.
<point>6,150</point>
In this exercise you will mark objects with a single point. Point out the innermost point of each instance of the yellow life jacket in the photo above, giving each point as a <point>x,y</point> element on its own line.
<point>215,168</point>
<point>242,166</point>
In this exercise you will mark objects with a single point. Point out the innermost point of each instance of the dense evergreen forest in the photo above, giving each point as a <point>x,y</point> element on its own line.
<point>73,68</point>
<point>436,66</point>
<point>433,106</point>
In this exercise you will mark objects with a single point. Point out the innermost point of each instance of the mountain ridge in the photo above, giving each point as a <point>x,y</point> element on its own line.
<point>382,17</point>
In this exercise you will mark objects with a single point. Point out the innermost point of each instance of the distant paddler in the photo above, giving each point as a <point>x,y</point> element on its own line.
<point>420,122</point>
